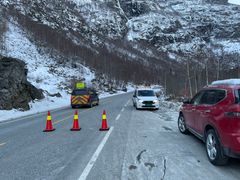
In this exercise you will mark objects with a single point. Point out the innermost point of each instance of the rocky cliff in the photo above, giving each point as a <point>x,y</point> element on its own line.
<point>15,91</point>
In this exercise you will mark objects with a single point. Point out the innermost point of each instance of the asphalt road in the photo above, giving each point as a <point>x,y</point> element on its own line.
<point>28,153</point>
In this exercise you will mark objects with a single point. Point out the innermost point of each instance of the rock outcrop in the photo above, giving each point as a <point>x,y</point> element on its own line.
<point>15,91</point>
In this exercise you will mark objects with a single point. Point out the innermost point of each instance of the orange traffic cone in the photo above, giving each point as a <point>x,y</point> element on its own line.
<point>104,122</point>
<point>75,122</point>
<point>49,126</point>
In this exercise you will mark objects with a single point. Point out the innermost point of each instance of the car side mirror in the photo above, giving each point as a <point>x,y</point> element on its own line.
<point>186,101</point>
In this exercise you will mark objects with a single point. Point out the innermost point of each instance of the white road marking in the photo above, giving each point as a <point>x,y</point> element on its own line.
<point>127,103</point>
<point>122,110</point>
<point>90,164</point>
<point>118,117</point>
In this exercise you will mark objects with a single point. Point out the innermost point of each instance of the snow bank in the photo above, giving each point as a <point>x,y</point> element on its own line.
<point>47,104</point>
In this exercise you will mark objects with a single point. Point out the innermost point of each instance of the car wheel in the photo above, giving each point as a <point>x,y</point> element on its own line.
<point>73,107</point>
<point>97,103</point>
<point>182,124</point>
<point>214,149</point>
<point>135,105</point>
<point>137,108</point>
<point>91,105</point>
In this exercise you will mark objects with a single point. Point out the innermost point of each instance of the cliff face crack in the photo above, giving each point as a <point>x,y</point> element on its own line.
<point>139,156</point>
<point>164,168</point>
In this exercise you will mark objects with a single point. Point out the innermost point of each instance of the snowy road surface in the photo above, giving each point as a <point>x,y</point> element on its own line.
<point>140,145</point>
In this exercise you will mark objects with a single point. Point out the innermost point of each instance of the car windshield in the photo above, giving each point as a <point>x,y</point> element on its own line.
<point>145,93</point>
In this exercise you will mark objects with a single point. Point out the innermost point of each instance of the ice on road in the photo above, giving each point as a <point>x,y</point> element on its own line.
<point>157,150</point>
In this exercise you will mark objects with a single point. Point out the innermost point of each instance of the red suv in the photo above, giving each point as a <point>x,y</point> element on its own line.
<point>213,115</point>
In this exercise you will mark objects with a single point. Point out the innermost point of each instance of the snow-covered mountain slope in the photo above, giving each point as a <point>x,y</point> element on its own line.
<point>136,41</point>
<point>43,71</point>
<point>176,25</point>
<point>170,24</point>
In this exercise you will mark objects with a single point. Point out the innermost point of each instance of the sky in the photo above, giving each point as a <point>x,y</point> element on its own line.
<point>234,2</point>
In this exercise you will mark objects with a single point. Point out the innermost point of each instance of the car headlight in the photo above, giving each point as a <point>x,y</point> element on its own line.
<point>155,101</point>
<point>139,100</point>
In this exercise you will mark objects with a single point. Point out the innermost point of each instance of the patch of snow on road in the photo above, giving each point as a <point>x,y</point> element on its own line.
<point>144,157</point>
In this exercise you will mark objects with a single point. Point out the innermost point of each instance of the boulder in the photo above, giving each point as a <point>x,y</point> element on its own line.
<point>15,91</point>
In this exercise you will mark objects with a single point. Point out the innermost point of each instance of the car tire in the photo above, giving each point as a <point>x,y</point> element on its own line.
<point>97,103</point>
<point>137,108</point>
<point>73,107</point>
<point>91,105</point>
<point>182,125</point>
<point>214,149</point>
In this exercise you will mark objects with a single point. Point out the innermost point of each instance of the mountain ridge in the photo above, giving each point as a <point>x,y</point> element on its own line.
<point>151,38</point>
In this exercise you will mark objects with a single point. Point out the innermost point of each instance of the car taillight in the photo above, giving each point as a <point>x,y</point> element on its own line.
<point>88,98</point>
<point>232,114</point>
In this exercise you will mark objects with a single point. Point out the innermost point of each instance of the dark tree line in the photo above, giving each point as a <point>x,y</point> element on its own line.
<point>98,58</point>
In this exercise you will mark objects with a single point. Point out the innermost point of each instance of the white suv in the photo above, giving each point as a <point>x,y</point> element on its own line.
<point>145,99</point>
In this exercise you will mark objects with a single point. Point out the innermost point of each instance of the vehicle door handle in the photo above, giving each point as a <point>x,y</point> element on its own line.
<point>207,111</point>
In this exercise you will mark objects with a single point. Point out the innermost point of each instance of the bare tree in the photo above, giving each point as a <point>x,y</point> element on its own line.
<point>3,29</point>
<point>196,80</point>
<point>206,71</point>
<point>189,77</point>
